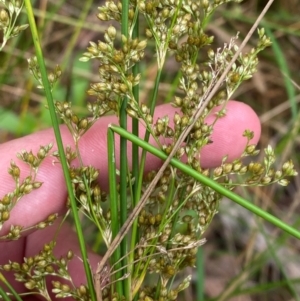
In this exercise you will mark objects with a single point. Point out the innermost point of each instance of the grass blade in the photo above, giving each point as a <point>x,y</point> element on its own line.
<point>55,124</point>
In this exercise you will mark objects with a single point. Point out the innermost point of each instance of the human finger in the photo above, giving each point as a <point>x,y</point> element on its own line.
<point>50,198</point>
<point>227,138</point>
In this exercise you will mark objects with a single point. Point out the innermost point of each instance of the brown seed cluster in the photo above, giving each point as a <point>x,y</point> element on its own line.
<point>88,193</point>
<point>254,173</point>
<point>114,64</point>
<point>76,125</point>
<point>23,186</point>
<point>179,210</point>
<point>35,71</point>
<point>171,225</point>
<point>33,270</point>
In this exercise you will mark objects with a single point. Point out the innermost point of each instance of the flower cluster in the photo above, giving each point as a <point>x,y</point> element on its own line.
<point>33,270</point>
<point>8,17</point>
<point>76,125</point>
<point>115,83</point>
<point>88,193</point>
<point>35,71</point>
<point>179,209</point>
<point>23,187</point>
<point>169,229</point>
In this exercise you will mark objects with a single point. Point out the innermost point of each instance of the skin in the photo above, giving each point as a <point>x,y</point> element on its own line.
<point>35,207</point>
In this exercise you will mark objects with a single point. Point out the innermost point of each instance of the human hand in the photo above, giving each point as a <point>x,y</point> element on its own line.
<point>50,198</point>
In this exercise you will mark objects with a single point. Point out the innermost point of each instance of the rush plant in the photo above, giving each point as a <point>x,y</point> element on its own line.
<point>151,224</point>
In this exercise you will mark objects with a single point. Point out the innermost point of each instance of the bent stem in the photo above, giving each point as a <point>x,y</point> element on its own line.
<point>55,124</point>
<point>210,92</point>
<point>208,182</point>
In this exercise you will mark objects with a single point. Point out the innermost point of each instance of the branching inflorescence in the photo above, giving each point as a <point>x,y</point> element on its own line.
<point>179,210</point>
<point>9,13</point>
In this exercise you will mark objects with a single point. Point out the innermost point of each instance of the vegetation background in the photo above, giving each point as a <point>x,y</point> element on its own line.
<point>244,258</point>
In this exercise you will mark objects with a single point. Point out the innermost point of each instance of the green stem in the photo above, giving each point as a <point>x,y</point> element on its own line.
<point>124,166</point>
<point>13,292</point>
<point>114,208</point>
<point>155,94</point>
<point>147,135</point>
<point>135,156</point>
<point>3,295</point>
<point>153,243</point>
<point>60,146</point>
<point>93,214</point>
<point>208,182</point>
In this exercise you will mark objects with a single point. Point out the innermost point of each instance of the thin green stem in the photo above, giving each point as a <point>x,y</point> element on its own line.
<point>60,146</point>
<point>124,165</point>
<point>147,135</point>
<point>153,243</point>
<point>153,100</point>
<point>3,295</point>
<point>161,60</point>
<point>93,216</point>
<point>135,124</point>
<point>208,182</point>
<point>13,292</point>
<point>114,208</point>
<point>181,194</point>
<point>135,155</point>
